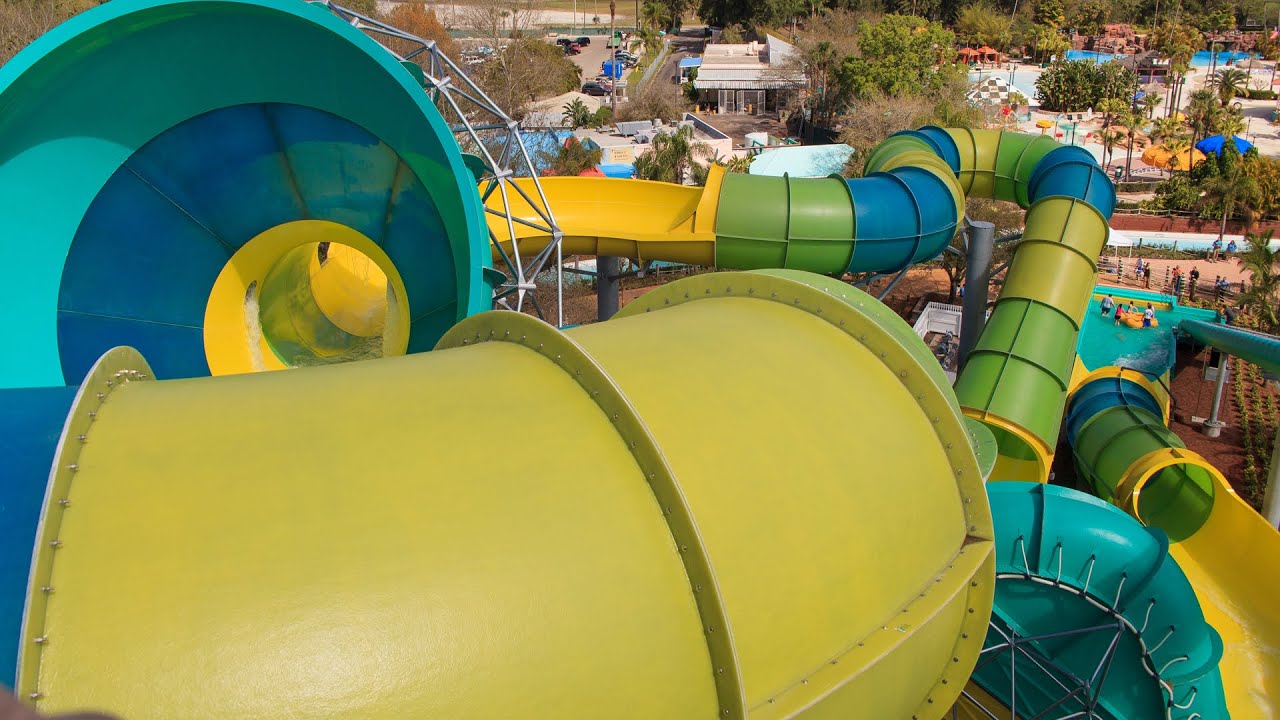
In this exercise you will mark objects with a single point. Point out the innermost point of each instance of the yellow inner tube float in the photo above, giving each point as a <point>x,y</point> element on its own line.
<point>1134,319</point>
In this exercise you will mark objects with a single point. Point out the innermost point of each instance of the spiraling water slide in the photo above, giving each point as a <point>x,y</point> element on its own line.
<point>1116,423</point>
<point>674,535</point>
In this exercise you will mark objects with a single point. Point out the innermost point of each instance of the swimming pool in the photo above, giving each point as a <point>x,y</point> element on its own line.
<point>1189,242</point>
<point>1094,56</point>
<point>1150,350</point>
<point>1204,58</point>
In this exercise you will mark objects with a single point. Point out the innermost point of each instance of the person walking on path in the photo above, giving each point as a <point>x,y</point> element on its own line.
<point>1146,276</point>
<point>1194,275</point>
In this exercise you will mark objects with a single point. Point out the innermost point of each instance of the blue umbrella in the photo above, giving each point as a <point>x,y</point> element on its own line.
<point>1213,144</point>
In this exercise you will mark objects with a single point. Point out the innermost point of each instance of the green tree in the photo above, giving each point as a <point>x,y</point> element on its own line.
<point>601,117</point>
<point>732,34</point>
<point>1150,102</point>
<point>1178,43</point>
<point>1166,129</point>
<point>1202,113</point>
<point>1048,42</point>
<point>573,158</point>
<point>901,54</point>
<point>1110,137</point>
<point>1230,84</point>
<point>982,24</point>
<point>1259,260</point>
<point>671,156</point>
<point>1233,186</point>
<point>576,113</point>
<point>1230,121</point>
<point>1050,13</point>
<point>1076,85</point>
<point>1089,16</point>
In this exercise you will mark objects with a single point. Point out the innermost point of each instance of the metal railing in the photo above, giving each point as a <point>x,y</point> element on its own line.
<point>485,130</point>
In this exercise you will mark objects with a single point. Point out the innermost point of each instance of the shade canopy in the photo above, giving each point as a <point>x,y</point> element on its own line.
<point>967,51</point>
<point>985,50</point>
<point>1160,156</point>
<point>1214,143</point>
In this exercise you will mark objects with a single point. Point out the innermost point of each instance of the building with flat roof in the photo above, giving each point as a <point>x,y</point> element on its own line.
<point>753,78</point>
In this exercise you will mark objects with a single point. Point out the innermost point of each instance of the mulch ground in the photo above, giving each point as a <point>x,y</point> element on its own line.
<point>1193,396</point>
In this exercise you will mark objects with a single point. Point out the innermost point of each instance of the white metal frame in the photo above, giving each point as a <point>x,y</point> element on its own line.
<point>481,127</point>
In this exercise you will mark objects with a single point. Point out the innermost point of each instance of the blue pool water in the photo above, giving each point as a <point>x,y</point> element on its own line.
<point>1091,55</point>
<point>1150,350</point>
<point>1204,58</point>
<point>1191,244</point>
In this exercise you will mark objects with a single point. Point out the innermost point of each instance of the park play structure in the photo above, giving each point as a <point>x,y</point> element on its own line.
<point>749,494</point>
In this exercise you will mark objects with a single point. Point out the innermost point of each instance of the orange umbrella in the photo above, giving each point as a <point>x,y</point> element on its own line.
<point>1160,156</point>
<point>1044,124</point>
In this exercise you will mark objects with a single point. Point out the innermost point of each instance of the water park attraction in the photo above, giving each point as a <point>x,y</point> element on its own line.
<point>262,459</point>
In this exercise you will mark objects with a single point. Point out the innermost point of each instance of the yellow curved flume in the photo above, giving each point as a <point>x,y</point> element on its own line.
<point>687,559</point>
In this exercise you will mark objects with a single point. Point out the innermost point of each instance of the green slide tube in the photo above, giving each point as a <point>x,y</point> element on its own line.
<point>1016,379</point>
<point>905,211</point>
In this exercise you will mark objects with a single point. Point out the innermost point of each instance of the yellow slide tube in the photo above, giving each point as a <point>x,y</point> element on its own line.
<point>680,534</point>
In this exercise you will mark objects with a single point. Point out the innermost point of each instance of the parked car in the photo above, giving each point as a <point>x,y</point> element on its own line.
<point>595,88</point>
<point>573,49</point>
<point>583,40</point>
<point>566,42</point>
<point>604,80</point>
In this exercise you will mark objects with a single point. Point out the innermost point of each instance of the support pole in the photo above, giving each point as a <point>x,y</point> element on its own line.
<point>606,287</point>
<point>977,281</point>
<point>1213,427</point>
<point>1271,501</point>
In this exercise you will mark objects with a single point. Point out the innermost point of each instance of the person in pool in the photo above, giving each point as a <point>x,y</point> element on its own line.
<point>1148,316</point>
<point>1119,314</point>
<point>1107,304</point>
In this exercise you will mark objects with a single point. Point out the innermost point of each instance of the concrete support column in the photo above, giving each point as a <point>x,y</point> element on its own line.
<point>977,281</point>
<point>1271,501</point>
<point>606,287</point>
<point>1213,427</point>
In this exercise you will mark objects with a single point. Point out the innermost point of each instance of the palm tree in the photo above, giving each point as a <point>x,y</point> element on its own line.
<point>655,15</point>
<point>1177,145</point>
<point>1202,113</point>
<point>1233,187</point>
<point>576,113</point>
<point>1230,121</point>
<point>1259,260</point>
<point>1109,139</point>
<point>1150,102</point>
<point>671,156</point>
<point>1230,84</point>
<point>1164,129</point>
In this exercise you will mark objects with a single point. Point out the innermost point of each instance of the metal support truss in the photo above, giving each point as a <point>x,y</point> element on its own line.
<point>483,129</point>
